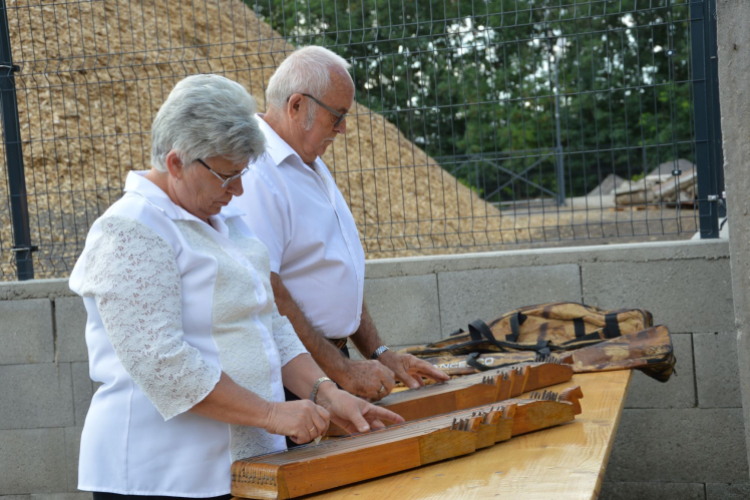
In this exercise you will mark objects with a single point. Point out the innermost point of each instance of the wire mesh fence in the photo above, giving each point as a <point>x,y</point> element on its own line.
<point>478,125</point>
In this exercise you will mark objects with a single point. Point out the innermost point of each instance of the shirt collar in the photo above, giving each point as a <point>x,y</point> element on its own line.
<point>276,148</point>
<point>137,183</point>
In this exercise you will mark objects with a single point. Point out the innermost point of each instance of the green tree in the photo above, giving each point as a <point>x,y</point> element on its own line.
<point>475,83</point>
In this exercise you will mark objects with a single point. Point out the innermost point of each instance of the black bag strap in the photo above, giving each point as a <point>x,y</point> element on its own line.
<point>611,326</point>
<point>479,330</point>
<point>543,348</point>
<point>515,327</point>
<point>590,337</point>
<point>471,360</point>
<point>457,332</point>
<point>579,327</point>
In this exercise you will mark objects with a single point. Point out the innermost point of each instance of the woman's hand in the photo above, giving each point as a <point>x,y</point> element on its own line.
<point>302,421</point>
<point>352,413</point>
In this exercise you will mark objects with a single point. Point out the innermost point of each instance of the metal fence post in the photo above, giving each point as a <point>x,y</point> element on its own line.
<point>708,153</point>
<point>717,151</point>
<point>14,154</point>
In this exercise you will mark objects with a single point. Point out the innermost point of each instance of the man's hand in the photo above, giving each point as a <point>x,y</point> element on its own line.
<point>351,413</point>
<point>410,369</point>
<point>369,379</point>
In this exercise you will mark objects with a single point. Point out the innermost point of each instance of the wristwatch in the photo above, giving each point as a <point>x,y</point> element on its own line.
<point>380,350</point>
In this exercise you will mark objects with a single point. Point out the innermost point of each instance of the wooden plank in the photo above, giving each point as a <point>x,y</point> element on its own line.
<point>563,463</point>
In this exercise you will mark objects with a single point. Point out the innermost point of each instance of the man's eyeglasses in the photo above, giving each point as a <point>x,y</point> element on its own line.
<point>225,180</point>
<point>340,116</point>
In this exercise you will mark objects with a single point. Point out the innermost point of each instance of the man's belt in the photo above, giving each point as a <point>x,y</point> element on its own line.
<point>339,343</point>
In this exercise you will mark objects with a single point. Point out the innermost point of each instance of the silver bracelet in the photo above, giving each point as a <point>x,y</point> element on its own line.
<point>378,352</point>
<point>316,386</point>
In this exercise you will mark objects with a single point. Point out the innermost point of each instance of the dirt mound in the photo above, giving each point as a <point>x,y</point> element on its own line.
<point>93,76</point>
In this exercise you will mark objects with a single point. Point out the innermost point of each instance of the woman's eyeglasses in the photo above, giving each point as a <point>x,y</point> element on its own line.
<point>225,180</point>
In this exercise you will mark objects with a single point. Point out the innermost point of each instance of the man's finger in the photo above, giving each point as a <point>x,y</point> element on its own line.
<point>429,370</point>
<point>403,375</point>
<point>377,397</point>
<point>386,374</point>
<point>387,378</point>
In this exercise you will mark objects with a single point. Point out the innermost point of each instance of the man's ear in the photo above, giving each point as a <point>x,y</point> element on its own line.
<point>294,106</point>
<point>174,165</point>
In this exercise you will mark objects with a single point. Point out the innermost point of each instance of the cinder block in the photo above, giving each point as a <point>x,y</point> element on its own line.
<point>681,446</point>
<point>679,392</point>
<point>486,294</point>
<point>404,309</point>
<point>652,491</point>
<point>35,289</point>
<point>721,491</point>
<point>70,321</point>
<point>623,252</point>
<point>32,460</point>
<point>83,390</point>
<point>716,369</point>
<point>26,332</point>
<point>39,395</point>
<point>685,295</point>
<point>72,450</point>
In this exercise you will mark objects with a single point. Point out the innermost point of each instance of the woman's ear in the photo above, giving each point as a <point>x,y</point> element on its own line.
<point>174,165</point>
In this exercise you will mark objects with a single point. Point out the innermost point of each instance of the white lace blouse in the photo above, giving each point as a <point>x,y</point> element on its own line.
<point>172,302</point>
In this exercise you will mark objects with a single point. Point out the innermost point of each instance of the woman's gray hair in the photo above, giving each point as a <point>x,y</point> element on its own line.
<point>306,71</point>
<point>206,116</point>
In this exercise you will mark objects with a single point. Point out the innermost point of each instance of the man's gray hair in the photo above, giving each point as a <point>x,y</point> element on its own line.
<point>306,71</point>
<point>206,116</point>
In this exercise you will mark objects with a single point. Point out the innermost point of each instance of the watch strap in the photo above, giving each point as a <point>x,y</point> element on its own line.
<point>378,352</point>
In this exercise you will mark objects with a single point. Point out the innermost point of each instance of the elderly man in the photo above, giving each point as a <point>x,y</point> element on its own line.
<point>292,204</point>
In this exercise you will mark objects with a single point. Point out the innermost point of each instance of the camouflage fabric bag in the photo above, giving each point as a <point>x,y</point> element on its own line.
<point>543,328</point>
<point>650,351</point>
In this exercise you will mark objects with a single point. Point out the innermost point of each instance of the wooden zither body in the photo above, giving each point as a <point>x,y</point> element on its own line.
<point>337,462</point>
<point>471,390</point>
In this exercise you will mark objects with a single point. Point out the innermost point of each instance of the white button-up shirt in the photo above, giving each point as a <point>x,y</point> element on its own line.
<point>299,213</point>
<point>172,302</point>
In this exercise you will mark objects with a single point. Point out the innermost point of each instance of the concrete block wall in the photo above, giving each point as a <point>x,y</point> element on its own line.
<point>680,440</point>
<point>45,391</point>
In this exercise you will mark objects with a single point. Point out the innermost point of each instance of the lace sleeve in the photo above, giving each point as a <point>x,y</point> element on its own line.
<point>289,344</point>
<point>132,274</point>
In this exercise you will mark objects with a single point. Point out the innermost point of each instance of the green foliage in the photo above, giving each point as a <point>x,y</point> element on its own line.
<point>473,82</point>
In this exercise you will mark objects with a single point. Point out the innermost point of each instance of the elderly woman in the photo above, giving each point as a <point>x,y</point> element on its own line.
<point>182,328</point>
